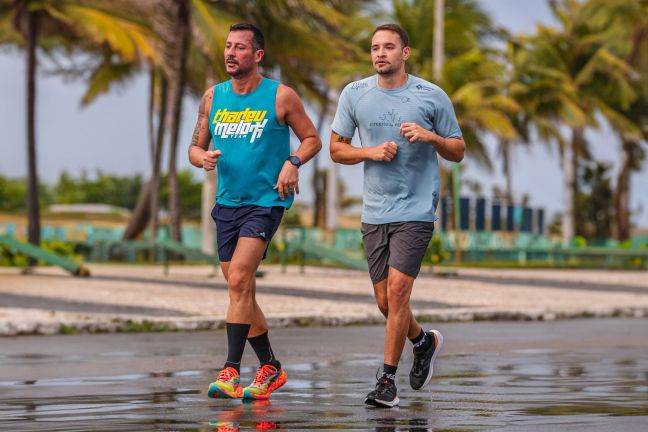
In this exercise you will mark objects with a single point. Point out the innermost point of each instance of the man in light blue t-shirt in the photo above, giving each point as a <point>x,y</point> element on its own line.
<point>404,122</point>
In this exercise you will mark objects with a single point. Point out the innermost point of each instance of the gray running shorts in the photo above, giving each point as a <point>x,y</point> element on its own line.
<point>400,245</point>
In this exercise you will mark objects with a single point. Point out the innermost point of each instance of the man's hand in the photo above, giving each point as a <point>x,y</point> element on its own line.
<point>384,152</point>
<point>209,159</point>
<point>288,182</point>
<point>413,132</point>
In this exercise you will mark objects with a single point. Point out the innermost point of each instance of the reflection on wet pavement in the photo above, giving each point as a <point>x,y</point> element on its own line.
<point>521,390</point>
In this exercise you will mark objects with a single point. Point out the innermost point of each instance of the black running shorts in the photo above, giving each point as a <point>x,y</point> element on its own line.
<point>244,221</point>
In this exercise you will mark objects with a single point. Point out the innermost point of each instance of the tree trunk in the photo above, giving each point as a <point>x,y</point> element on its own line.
<point>178,84</point>
<point>33,212</point>
<point>506,162</point>
<point>140,217</point>
<point>146,208</point>
<point>332,201</point>
<point>151,114</point>
<point>319,203</point>
<point>157,159</point>
<point>622,199</point>
<point>568,190</point>
<point>577,147</point>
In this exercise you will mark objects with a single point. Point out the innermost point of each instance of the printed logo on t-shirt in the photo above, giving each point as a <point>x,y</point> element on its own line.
<point>239,124</point>
<point>359,85</point>
<point>389,119</point>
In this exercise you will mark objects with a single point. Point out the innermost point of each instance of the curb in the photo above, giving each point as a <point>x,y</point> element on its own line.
<point>154,324</point>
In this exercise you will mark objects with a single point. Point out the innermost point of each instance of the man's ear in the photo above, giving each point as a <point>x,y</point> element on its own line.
<point>406,52</point>
<point>258,55</point>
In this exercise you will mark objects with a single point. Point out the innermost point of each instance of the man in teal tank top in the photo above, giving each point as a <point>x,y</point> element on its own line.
<point>248,118</point>
<point>404,123</point>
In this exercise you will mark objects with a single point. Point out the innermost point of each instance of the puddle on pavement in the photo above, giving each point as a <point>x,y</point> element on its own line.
<point>527,388</point>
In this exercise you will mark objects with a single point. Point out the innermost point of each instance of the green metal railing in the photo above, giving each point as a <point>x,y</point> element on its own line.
<point>42,255</point>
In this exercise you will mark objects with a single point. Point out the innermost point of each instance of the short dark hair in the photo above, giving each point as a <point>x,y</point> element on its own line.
<point>258,41</point>
<point>400,31</point>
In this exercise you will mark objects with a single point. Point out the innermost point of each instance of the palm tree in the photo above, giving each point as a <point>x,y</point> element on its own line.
<point>122,61</point>
<point>562,68</point>
<point>626,22</point>
<point>174,28</point>
<point>87,25</point>
<point>28,23</point>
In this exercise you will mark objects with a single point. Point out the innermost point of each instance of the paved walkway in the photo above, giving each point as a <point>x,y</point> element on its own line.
<point>127,297</point>
<point>576,375</point>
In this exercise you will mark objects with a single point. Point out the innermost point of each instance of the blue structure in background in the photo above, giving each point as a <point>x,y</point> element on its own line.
<point>464,208</point>
<point>480,214</point>
<point>527,215</point>
<point>496,217</point>
<point>490,217</point>
<point>510,218</point>
<point>539,222</point>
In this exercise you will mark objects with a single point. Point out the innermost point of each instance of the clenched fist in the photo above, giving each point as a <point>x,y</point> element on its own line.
<point>384,152</point>
<point>209,159</point>
<point>413,132</point>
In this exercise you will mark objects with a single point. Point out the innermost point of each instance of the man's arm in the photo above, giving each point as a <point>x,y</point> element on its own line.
<point>198,154</point>
<point>451,149</point>
<point>343,152</point>
<point>295,116</point>
<point>291,109</point>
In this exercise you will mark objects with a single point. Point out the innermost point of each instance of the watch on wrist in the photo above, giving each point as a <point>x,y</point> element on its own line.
<point>294,160</point>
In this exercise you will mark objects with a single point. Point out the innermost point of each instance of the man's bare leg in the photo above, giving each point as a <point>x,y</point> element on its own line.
<point>380,292</point>
<point>241,273</point>
<point>399,319</point>
<point>258,323</point>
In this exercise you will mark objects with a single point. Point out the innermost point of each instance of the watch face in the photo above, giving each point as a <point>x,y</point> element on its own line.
<point>295,161</point>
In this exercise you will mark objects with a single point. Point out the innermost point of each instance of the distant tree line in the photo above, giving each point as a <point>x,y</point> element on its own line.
<point>102,188</point>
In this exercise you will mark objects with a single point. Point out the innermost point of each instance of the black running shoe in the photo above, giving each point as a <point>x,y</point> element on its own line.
<point>384,395</point>
<point>370,399</point>
<point>423,364</point>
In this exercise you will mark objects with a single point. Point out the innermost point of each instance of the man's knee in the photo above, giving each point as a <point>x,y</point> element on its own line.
<point>239,283</point>
<point>398,292</point>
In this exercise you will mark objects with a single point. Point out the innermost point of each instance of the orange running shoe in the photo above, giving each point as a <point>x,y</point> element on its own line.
<point>267,380</point>
<point>227,385</point>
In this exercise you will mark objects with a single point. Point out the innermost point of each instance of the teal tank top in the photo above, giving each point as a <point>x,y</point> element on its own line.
<point>253,143</point>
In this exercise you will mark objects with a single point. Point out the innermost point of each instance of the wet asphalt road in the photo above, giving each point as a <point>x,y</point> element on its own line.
<point>528,376</point>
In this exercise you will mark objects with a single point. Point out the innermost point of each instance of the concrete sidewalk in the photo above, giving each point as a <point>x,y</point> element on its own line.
<point>135,298</point>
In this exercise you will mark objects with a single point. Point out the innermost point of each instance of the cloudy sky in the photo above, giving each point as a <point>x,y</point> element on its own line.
<point>111,134</point>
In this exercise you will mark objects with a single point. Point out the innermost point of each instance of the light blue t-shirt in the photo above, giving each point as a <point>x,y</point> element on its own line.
<point>407,188</point>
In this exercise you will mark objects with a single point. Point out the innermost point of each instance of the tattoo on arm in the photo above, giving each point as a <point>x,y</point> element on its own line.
<point>200,126</point>
<point>196,133</point>
<point>340,138</point>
